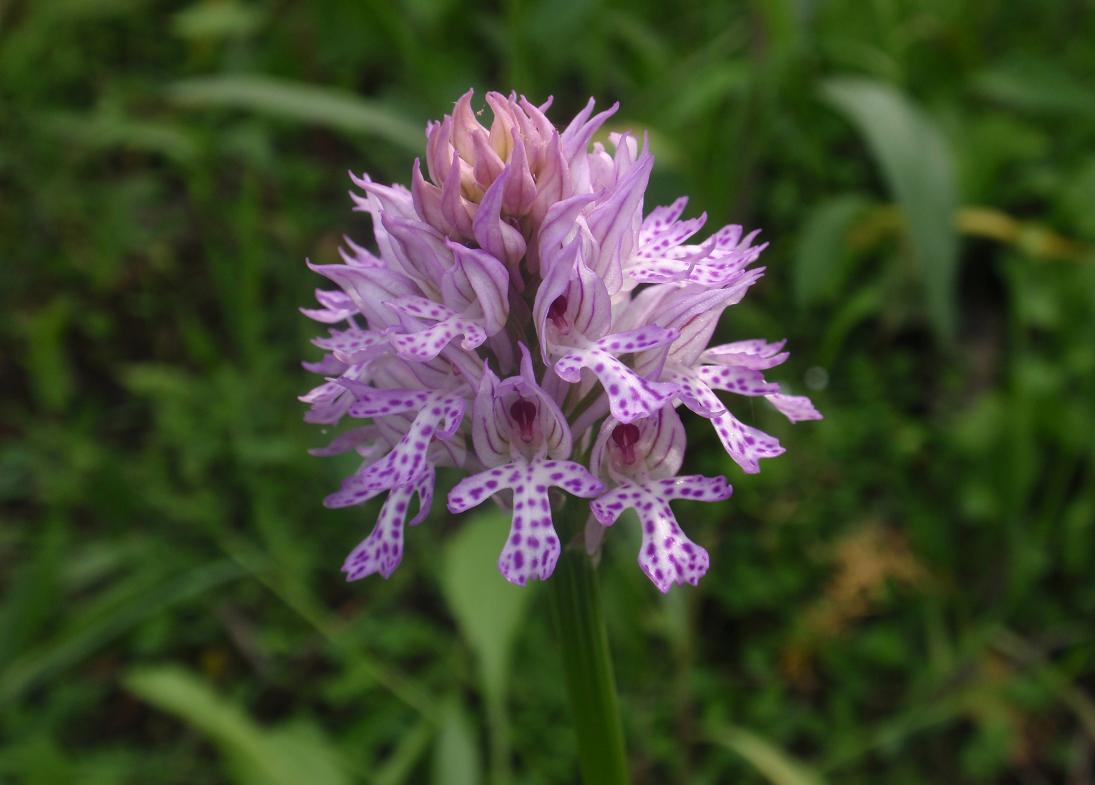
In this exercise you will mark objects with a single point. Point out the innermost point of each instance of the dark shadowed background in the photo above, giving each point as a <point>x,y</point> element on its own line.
<point>905,597</point>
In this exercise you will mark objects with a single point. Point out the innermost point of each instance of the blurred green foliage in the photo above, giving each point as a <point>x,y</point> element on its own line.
<point>905,597</point>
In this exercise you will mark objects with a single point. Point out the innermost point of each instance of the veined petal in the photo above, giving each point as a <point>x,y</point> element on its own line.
<point>576,136</point>
<point>553,181</point>
<point>453,207</point>
<point>427,201</point>
<point>477,284</point>
<point>520,188</point>
<point>337,307</point>
<point>493,234</point>
<point>382,550</point>
<point>614,223</point>
<point>795,408</point>
<point>370,288</point>
<point>532,548</point>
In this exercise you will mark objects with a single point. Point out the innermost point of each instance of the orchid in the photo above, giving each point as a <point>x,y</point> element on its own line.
<point>521,322</point>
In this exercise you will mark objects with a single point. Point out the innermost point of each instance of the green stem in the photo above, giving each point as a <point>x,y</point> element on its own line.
<point>587,665</point>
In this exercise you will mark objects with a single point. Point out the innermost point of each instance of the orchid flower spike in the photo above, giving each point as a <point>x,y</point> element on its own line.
<point>523,232</point>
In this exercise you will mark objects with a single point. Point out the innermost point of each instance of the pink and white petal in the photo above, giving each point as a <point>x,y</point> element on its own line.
<point>745,444</point>
<point>638,340</point>
<point>337,307</point>
<point>477,488</point>
<point>796,408</point>
<point>520,188</point>
<point>370,289</point>
<point>354,345</point>
<point>692,486</point>
<point>382,550</point>
<point>349,440</point>
<point>427,344</point>
<point>571,476</point>
<point>422,308</point>
<point>667,556</point>
<point>755,353</point>
<point>371,402</point>
<point>659,219</point>
<point>695,394</point>
<point>408,458</point>
<point>630,396</point>
<point>328,365</point>
<point>532,547</point>
<point>736,379</point>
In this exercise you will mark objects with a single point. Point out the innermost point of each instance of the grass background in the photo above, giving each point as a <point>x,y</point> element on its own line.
<point>905,597</point>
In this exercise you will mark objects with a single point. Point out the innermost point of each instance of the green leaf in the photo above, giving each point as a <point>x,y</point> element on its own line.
<point>94,624</point>
<point>456,750</point>
<point>822,252</point>
<point>337,109</point>
<point>487,609</point>
<point>225,19</point>
<point>917,164</point>
<point>776,765</point>
<point>1036,86</point>
<point>256,755</point>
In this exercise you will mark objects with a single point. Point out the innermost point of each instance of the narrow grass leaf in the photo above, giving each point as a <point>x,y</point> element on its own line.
<point>324,106</point>
<point>821,261</point>
<point>456,758</point>
<point>774,764</point>
<point>487,609</point>
<point>917,164</point>
<point>255,755</point>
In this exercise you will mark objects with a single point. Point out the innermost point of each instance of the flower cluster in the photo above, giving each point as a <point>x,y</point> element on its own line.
<point>521,321</point>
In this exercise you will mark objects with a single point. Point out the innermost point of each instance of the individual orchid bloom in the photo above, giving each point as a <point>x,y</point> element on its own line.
<point>573,314</point>
<point>518,321</point>
<point>640,461</point>
<point>521,433</point>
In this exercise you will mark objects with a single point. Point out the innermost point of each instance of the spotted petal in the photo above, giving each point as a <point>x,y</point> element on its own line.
<point>667,556</point>
<point>630,396</point>
<point>735,379</point>
<point>354,345</point>
<point>408,459</point>
<point>532,547</point>
<point>795,408</point>
<point>382,550</point>
<point>426,344</point>
<point>745,444</point>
